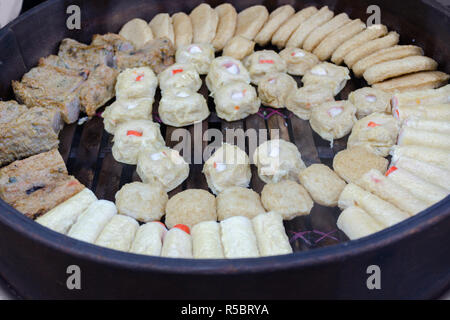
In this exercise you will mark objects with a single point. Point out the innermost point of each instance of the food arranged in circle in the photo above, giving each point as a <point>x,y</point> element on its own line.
<point>394,164</point>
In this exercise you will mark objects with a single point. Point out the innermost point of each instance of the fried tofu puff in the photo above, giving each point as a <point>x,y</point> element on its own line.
<point>278,160</point>
<point>327,74</point>
<point>238,201</point>
<point>133,136</point>
<point>323,184</point>
<point>333,120</point>
<point>298,61</point>
<point>369,100</point>
<point>287,198</point>
<point>236,100</point>
<point>251,20</point>
<point>199,54</point>
<point>224,70</point>
<point>204,21</point>
<point>182,28</point>
<point>180,75</point>
<point>123,110</point>
<point>264,62</point>
<point>302,100</point>
<point>351,164</point>
<point>190,207</point>
<point>162,27</point>
<point>164,165</point>
<point>273,89</point>
<point>226,26</point>
<point>141,201</point>
<point>136,83</point>
<point>377,133</point>
<point>238,47</point>
<point>182,107</point>
<point>276,19</point>
<point>137,31</point>
<point>229,166</point>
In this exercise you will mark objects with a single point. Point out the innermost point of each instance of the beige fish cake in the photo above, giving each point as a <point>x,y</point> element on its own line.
<point>273,89</point>
<point>250,21</point>
<point>236,100</point>
<point>135,83</point>
<point>368,100</point>
<point>320,33</point>
<point>204,21</point>
<point>224,70</point>
<point>238,48</point>
<point>162,27</point>
<point>123,110</point>
<point>327,74</point>
<point>199,54</point>
<point>276,19</point>
<point>304,99</point>
<point>182,28</point>
<point>238,201</point>
<point>227,25</point>
<point>412,82</point>
<point>180,75</point>
<point>264,62</point>
<point>137,31</point>
<point>298,61</point>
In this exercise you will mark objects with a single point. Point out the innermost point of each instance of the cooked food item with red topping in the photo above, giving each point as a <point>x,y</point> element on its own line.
<point>368,100</point>
<point>200,55</point>
<point>224,70</point>
<point>264,62</point>
<point>236,100</point>
<point>298,61</point>
<point>274,89</point>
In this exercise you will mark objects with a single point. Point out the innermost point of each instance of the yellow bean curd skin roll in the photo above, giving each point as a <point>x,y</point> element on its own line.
<point>177,244</point>
<point>410,136</point>
<point>118,234</point>
<point>431,112</point>
<point>356,223</point>
<point>149,239</point>
<point>436,157</point>
<point>238,238</point>
<point>207,243</point>
<point>250,21</point>
<point>271,235</point>
<point>422,97</point>
<point>428,125</point>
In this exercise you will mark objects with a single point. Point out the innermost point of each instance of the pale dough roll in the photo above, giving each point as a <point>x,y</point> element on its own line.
<point>385,213</point>
<point>276,19</point>
<point>177,244</point>
<point>190,207</point>
<point>327,74</point>
<point>238,238</point>
<point>377,183</point>
<point>136,83</point>
<point>204,23</point>
<point>440,126</point>
<point>137,31</point>
<point>199,54</point>
<point>298,61</point>
<point>282,35</point>
<point>162,27</point>
<point>429,112</point>
<point>182,28</point>
<point>238,201</point>
<point>206,240</point>
<point>271,235</point>
<point>149,239</point>
<point>274,88</point>
<point>436,157</point>
<point>264,62</point>
<point>180,75</point>
<point>304,99</point>
<point>224,70</point>
<point>370,33</point>
<point>399,67</point>
<point>415,81</point>
<point>368,100</point>
<point>331,42</point>
<point>92,221</point>
<point>141,201</point>
<point>64,215</point>
<point>421,189</point>
<point>389,40</point>
<point>414,137</point>
<point>250,21</point>
<point>238,47</point>
<point>287,198</point>
<point>118,234</point>
<point>383,55</point>
<point>320,33</point>
<point>356,223</point>
<point>227,25</point>
<point>236,100</point>
<point>422,98</point>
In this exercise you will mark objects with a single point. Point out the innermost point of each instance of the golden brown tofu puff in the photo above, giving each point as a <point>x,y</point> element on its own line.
<point>182,28</point>
<point>227,25</point>
<point>251,20</point>
<point>315,21</point>
<point>162,27</point>
<point>137,31</point>
<point>328,45</point>
<point>276,19</point>
<point>238,47</point>
<point>204,21</point>
<point>282,35</point>
<point>238,201</point>
<point>413,82</point>
<point>399,67</point>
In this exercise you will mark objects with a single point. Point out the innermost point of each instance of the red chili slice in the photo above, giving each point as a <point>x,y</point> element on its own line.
<point>183,227</point>
<point>139,77</point>
<point>372,124</point>
<point>391,169</point>
<point>134,133</point>
<point>175,71</point>
<point>266,61</point>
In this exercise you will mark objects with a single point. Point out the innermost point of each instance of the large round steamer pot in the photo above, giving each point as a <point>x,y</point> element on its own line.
<point>413,256</point>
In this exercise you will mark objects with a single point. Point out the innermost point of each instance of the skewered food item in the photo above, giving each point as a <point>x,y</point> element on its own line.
<point>149,239</point>
<point>356,223</point>
<point>377,133</point>
<point>64,215</point>
<point>327,74</point>
<point>177,243</point>
<point>321,32</point>
<point>37,184</point>
<point>278,160</point>
<point>132,136</point>
<point>351,164</point>
<point>368,100</point>
<point>250,21</point>
<point>190,207</point>
<point>118,234</point>
<point>224,70</point>
<point>261,63</point>
<point>304,99</point>
<point>416,81</point>
<point>180,75</point>
<point>298,61</point>
<point>206,240</point>
<point>271,235</point>
<point>182,29</point>
<point>137,31</point>
<point>162,27</point>
<point>273,89</point>
<point>164,165</point>
<point>287,198</point>
<point>436,157</point>
<point>227,25</point>
<point>123,110</point>
<point>229,166</point>
<point>236,100</point>
<point>238,238</point>
<point>238,201</point>
<point>276,19</point>
<point>25,132</point>
<point>238,47</point>
<point>415,137</point>
<point>92,221</point>
<point>322,183</point>
<point>143,202</point>
<point>204,21</point>
<point>201,55</point>
<point>136,83</point>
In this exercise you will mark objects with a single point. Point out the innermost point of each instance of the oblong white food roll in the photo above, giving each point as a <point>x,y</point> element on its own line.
<point>118,234</point>
<point>431,112</point>
<point>426,171</point>
<point>92,221</point>
<point>422,97</point>
<point>207,243</point>
<point>377,183</point>
<point>356,223</point>
<point>271,235</point>
<point>426,191</point>
<point>382,211</point>
<point>64,215</point>
<point>414,137</point>
<point>238,238</point>
<point>177,243</point>
<point>428,125</point>
<point>149,239</point>
<point>437,157</point>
